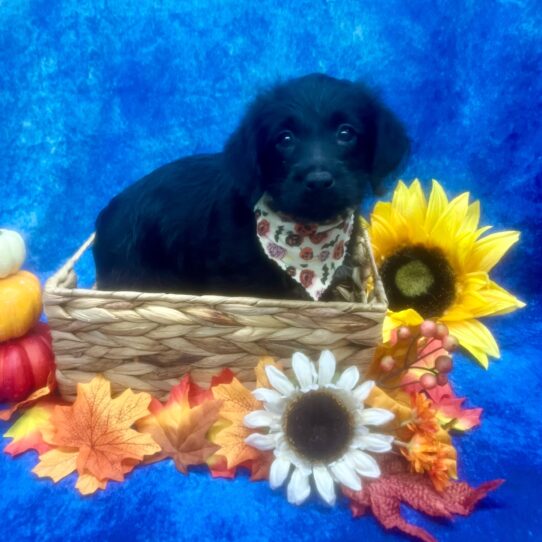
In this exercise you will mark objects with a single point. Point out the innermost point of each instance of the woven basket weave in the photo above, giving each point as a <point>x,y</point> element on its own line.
<point>148,341</point>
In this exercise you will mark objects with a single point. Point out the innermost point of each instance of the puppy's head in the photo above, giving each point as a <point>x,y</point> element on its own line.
<point>316,145</point>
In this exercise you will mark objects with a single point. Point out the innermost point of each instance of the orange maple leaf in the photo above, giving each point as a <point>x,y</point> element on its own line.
<point>259,468</point>
<point>94,436</point>
<point>229,432</point>
<point>180,430</point>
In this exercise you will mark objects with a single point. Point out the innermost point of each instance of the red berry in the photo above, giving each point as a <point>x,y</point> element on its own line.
<point>450,343</point>
<point>428,381</point>
<point>442,379</point>
<point>442,331</point>
<point>387,363</point>
<point>443,364</point>
<point>428,328</point>
<point>404,333</point>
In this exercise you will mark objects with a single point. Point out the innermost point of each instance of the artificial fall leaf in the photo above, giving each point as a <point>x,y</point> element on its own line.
<point>402,410</point>
<point>88,484</point>
<point>40,393</point>
<point>218,466</point>
<point>27,433</point>
<point>56,464</point>
<point>180,430</point>
<point>198,395</point>
<point>385,495</point>
<point>258,468</point>
<point>450,410</point>
<point>94,434</point>
<point>237,403</point>
<point>233,447</point>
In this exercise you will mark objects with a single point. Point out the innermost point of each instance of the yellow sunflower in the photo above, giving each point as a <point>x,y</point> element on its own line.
<point>435,264</point>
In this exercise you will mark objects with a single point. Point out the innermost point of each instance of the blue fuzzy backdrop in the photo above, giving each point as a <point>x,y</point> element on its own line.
<point>93,95</point>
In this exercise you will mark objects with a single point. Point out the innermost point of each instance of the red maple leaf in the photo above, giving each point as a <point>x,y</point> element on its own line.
<point>197,395</point>
<point>384,496</point>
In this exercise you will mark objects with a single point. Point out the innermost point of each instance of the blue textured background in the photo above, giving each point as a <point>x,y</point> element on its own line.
<point>95,94</point>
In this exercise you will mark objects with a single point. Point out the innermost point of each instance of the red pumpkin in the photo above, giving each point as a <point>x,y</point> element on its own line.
<point>25,363</point>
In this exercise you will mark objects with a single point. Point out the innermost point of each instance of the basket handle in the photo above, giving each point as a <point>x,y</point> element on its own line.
<point>378,285</point>
<point>66,277</point>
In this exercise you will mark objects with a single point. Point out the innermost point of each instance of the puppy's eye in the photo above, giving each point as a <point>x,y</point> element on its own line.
<point>345,134</point>
<point>285,140</point>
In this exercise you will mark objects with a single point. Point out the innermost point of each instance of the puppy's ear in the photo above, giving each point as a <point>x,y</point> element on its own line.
<point>242,155</point>
<point>391,147</point>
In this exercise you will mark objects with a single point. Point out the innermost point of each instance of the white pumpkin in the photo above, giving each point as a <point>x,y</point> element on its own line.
<point>12,252</point>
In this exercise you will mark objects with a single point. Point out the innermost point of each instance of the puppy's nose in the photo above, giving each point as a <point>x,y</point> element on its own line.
<point>319,180</point>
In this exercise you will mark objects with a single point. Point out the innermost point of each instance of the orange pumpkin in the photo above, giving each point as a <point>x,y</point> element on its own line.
<point>20,304</point>
<point>25,364</point>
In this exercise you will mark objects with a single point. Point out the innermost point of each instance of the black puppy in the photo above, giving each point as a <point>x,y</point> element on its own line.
<point>315,145</point>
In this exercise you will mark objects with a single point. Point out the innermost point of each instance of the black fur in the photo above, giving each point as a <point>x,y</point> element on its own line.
<point>315,144</point>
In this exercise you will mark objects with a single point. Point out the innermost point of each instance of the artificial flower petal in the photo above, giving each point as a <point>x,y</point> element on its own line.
<point>363,390</point>
<point>259,418</point>
<point>272,399</point>
<point>475,338</point>
<point>436,206</point>
<point>299,487</point>
<point>346,475</point>
<point>279,380</point>
<point>489,250</point>
<point>376,416</point>
<point>326,368</point>
<point>297,461</point>
<point>267,395</point>
<point>349,378</point>
<point>261,442</point>
<point>363,463</point>
<point>407,317</point>
<point>374,442</point>
<point>280,468</point>
<point>302,367</point>
<point>324,484</point>
<point>261,378</point>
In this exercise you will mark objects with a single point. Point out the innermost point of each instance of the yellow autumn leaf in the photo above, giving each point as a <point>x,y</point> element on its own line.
<point>88,484</point>
<point>237,403</point>
<point>56,464</point>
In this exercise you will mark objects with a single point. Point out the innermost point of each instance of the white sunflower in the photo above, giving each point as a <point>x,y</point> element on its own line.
<point>318,428</point>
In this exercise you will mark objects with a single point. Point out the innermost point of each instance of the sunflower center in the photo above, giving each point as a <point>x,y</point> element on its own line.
<point>414,278</point>
<point>319,426</point>
<point>420,278</point>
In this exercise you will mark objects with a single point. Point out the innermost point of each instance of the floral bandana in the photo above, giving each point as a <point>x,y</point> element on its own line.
<point>309,253</point>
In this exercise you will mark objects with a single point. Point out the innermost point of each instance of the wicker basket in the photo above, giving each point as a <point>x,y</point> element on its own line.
<point>148,341</point>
